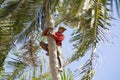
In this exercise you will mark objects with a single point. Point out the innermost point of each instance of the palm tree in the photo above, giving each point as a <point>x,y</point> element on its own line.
<point>30,17</point>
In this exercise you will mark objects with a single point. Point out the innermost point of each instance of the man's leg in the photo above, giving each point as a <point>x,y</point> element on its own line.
<point>59,61</point>
<point>44,46</point>
<point>59,57</point>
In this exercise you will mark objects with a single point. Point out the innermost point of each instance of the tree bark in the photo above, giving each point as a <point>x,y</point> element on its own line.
<point>53,59</point>
<point>53,62</point>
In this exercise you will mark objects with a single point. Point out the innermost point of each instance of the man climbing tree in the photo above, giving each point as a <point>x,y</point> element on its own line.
<point>59,37</point>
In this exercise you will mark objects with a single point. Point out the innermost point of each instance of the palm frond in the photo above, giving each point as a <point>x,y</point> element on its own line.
<point>53,5</point>
<point>31,20</point>
<point>16,67</point>
<point>80,7</point>
<point>5,40</point>
<point>88,75</point>
<point>88,68</point>
<point>6,10</point>
<point>67,75</point>
<point>17,25</point>
<point>16,72</point>
<point>23,36</point>
<point>1,1</point>
<point>91,32</point>
<point>117,5</point>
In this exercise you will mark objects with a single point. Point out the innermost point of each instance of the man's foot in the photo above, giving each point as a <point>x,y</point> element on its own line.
<point>44,45</point>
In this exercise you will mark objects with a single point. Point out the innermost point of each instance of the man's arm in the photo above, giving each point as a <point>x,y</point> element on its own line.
<point>45,32</point>
<point>58,38</point>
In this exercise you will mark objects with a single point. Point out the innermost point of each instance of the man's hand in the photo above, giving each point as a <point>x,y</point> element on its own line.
<point>51,33</point>
<point>47,31</point>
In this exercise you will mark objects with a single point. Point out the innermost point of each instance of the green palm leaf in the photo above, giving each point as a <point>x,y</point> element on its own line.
<point>5,11</point>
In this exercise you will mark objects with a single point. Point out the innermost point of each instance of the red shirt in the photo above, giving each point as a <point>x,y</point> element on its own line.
<point>59,37</point>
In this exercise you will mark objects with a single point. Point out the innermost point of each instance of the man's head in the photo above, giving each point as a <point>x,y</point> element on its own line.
<point>61,29</point>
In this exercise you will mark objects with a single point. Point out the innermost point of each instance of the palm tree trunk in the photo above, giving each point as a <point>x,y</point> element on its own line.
<point>53,59</point>
<point>51,45</point>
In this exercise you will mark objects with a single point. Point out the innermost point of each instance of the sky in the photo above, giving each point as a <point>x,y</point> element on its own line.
<point>107,65</point>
